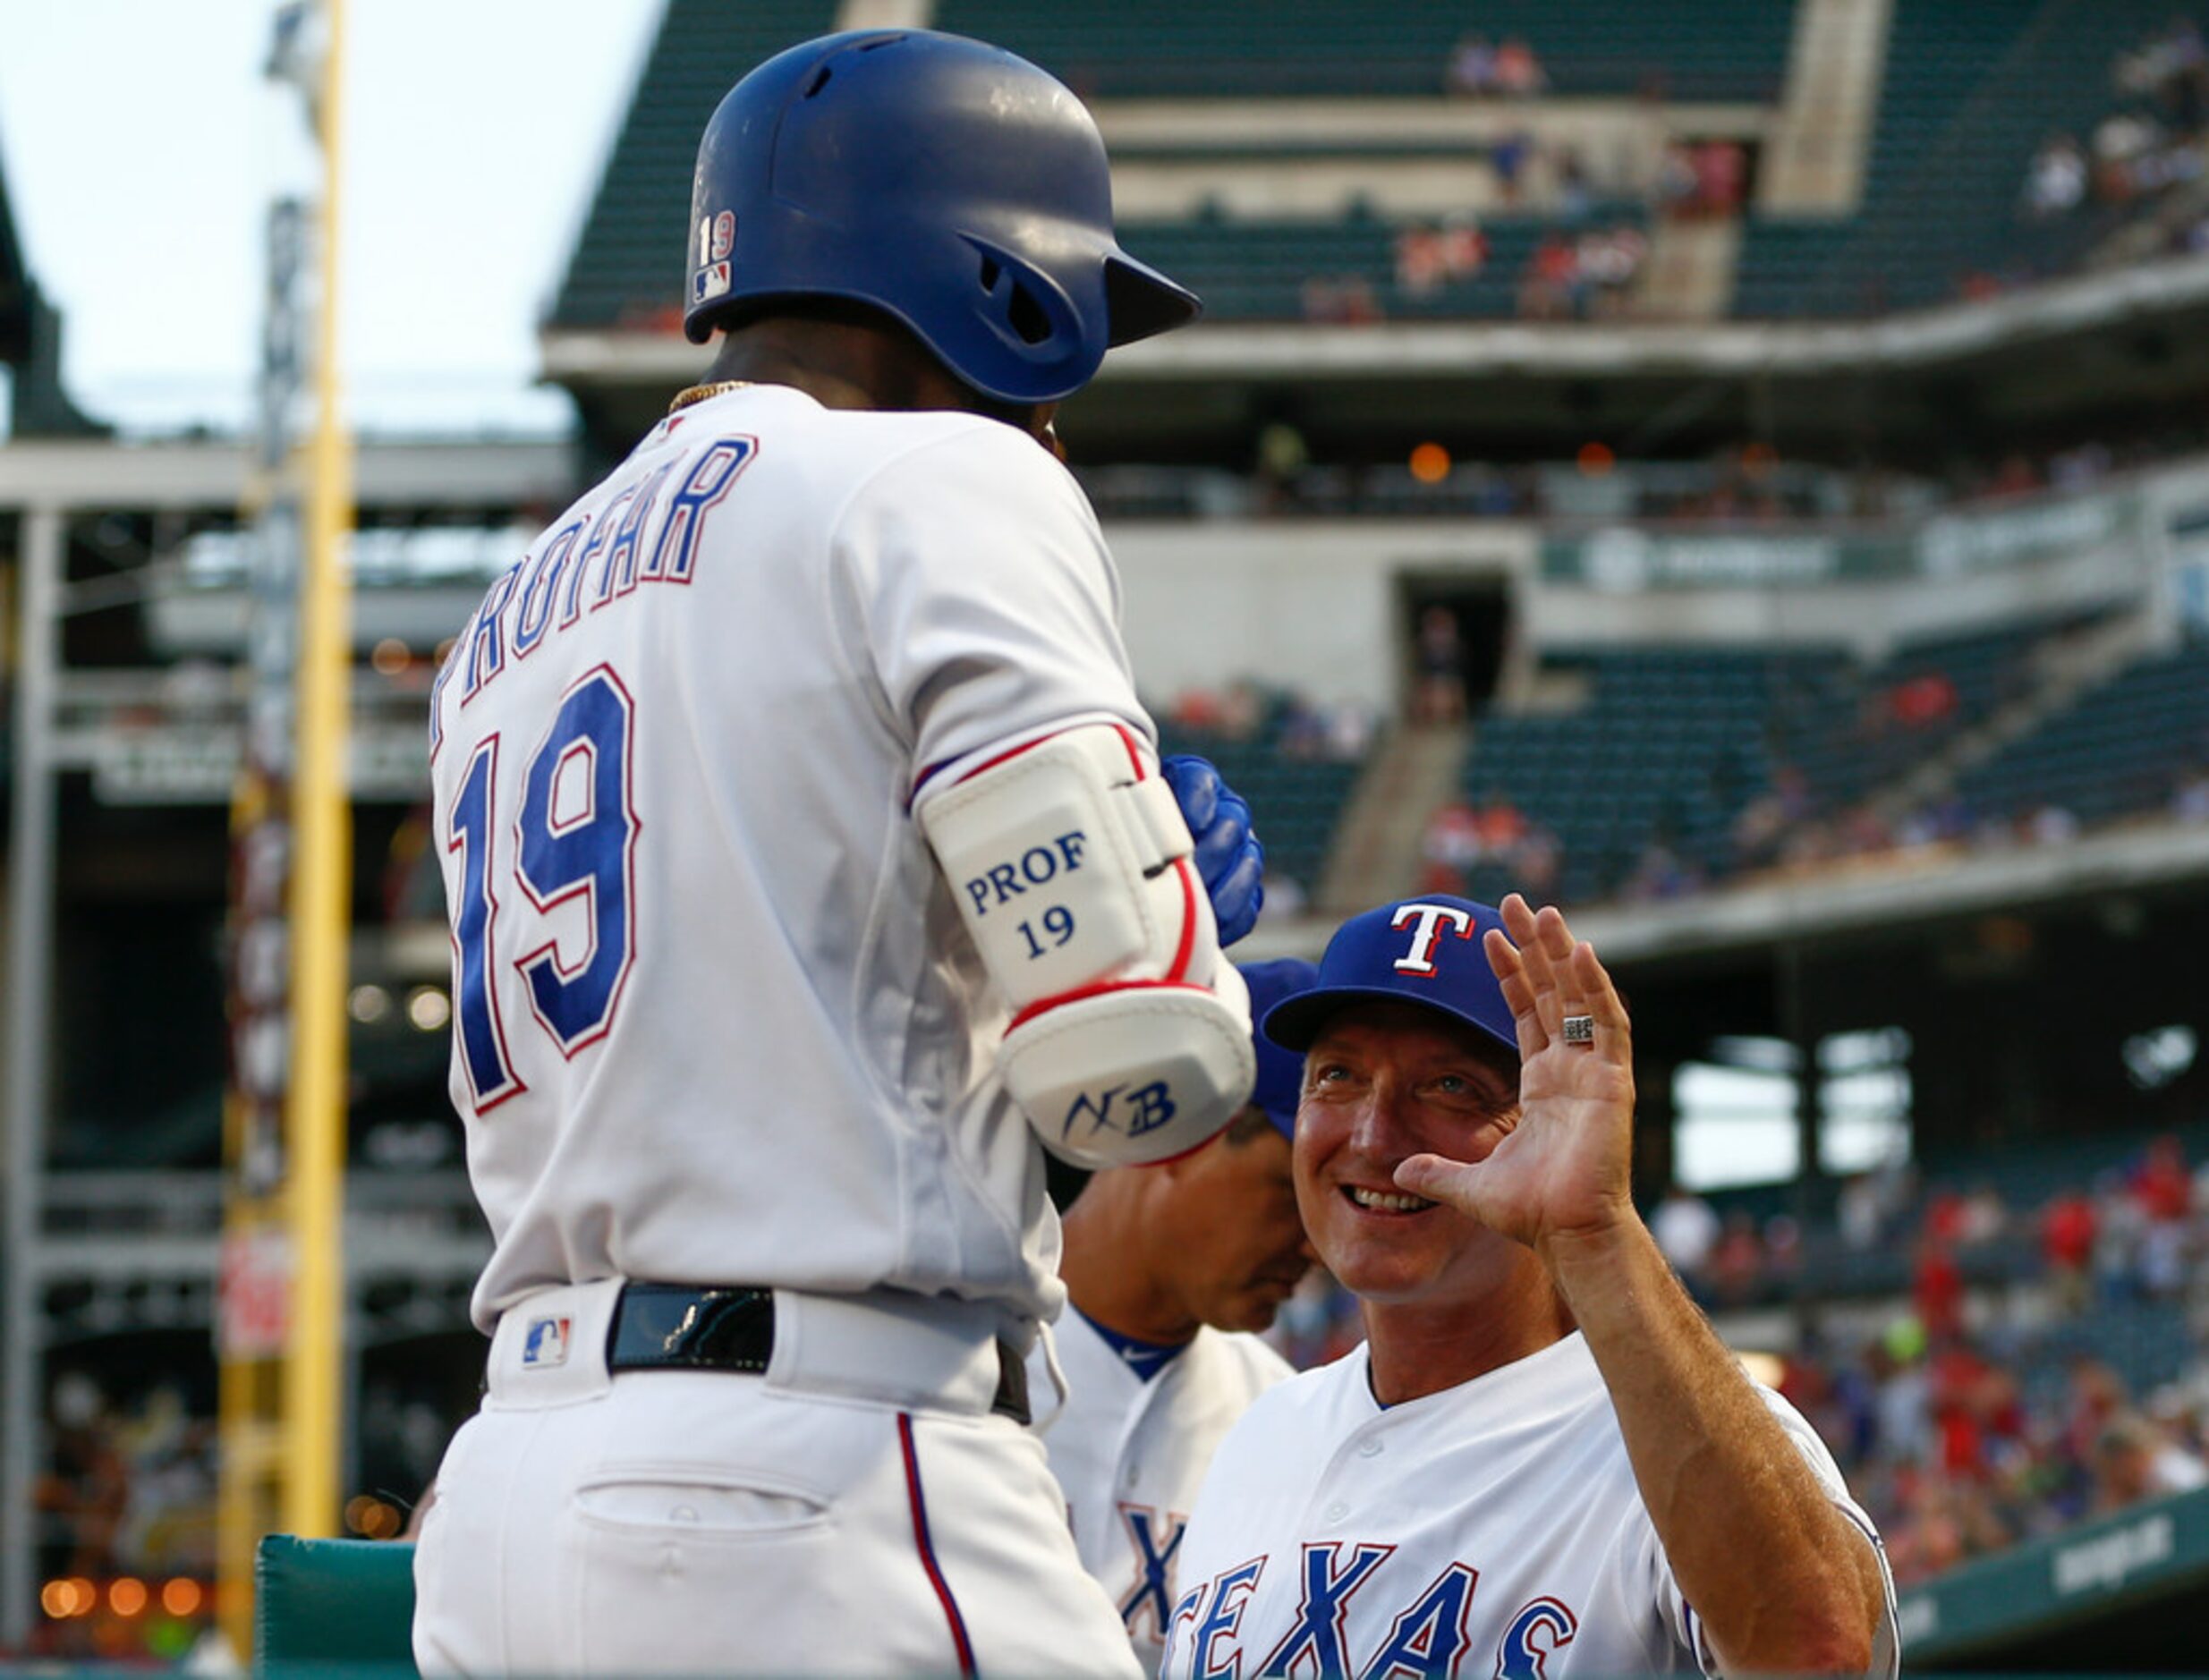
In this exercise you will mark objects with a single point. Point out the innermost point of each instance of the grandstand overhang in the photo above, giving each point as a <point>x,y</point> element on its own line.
<point>2052,358</point>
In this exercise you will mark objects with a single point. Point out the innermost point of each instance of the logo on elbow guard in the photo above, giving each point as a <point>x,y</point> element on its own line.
<point>1038,866</point>
<point>1130,1112</point>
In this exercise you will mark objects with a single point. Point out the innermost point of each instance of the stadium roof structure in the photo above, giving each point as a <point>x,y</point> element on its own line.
<point>30,334</point>
<point>15,289</point>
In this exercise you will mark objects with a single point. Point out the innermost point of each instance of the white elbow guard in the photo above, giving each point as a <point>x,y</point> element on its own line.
<point>1069,860</point>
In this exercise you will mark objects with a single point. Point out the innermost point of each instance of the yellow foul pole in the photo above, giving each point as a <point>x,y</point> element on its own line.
<point>320,901</point>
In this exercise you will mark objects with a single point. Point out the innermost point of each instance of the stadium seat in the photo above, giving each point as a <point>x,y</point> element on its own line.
<point>2117,750</point>
<point>333,1609</point>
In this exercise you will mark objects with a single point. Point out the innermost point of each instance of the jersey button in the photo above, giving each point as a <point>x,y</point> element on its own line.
<point>1369,1449</point>
<point>1335,1512</point>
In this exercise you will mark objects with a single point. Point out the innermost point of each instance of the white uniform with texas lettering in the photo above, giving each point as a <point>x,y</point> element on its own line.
<point>1490,1530</point>
<point>717,1020</point>
<point>1131,1455</point>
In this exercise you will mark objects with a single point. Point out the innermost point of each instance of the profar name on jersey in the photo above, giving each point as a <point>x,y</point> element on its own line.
<point>648,533</point>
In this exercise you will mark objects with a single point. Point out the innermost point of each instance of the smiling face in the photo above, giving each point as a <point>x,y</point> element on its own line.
<point>1384,1082</point>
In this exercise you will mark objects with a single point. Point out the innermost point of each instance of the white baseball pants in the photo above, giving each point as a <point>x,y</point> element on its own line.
<point>857,1510</point>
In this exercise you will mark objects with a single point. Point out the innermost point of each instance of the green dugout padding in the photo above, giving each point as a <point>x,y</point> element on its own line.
<point>2127,1593</point>
<point>335,1609</point>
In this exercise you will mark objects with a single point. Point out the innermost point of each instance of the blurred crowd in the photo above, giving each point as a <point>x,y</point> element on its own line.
<point>1464,835</point>
<point>2134,185</point>
<point>1594,246</point>
<point>126,1522</point>
<point>1292,725</point>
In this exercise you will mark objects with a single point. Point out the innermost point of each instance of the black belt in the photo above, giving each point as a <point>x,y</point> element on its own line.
<point>689,1327</point>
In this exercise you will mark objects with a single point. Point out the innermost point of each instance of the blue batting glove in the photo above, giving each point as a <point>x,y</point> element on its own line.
<point>1229,859</point>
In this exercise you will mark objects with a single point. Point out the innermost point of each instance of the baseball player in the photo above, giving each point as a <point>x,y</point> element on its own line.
<point>1168,1269</point>
<point>1542,1461</point>
<point>809,858</point>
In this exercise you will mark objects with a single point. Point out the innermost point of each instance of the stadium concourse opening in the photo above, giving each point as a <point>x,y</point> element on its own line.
<point>1454,632</point>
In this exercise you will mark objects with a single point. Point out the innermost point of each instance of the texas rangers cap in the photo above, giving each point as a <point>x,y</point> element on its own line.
<point>1415,951</point>
<point>1281,1073</point>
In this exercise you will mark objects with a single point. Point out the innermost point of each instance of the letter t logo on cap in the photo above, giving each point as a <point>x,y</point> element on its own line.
<point>1426,921</point>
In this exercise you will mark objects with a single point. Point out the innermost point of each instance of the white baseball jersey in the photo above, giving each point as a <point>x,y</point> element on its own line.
<point>1492,1528</point>
<point>714,1016</point>
<point>1131,1455</point>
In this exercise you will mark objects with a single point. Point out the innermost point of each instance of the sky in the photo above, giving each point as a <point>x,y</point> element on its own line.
<point>141,143</point>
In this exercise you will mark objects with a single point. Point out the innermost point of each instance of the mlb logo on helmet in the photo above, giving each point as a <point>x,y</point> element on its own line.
<point>545,1345</point>
<point>1424,951</point>
<point>710,282</point>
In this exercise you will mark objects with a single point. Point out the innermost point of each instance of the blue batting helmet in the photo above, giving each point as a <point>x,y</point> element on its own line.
<point>1281,1073</point>
<point>951,184</point>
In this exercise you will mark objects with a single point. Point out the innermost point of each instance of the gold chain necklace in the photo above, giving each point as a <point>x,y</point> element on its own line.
<point>706,392</point>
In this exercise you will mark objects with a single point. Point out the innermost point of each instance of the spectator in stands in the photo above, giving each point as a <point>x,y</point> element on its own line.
<point>1672,189</point>
<point>85,1489</point>
<point>1784,1248</point>
<point>2052,825</point>
<point>2121,142</point>
<point>1575,197</point>
<point>2134,1459</point>
<point>1419,270</point>
<point>2119,1224</point>
<point>1686,1231</point>
<point>1898,1362</point>
<point>2172,69</point>
<point>1439,648</point>
<point>1607,264</point>
<point>1518,73</point>
<point>1923,701</point>
<point>2162,1184</point>
<point>1281,460</point>
<point>2094,1396</point>
<point>1472,69</point>
<point>1427,258</point>
<point>1508,158</point>
<point>2067,1239</point>
<point>1660,873</point>
<point>1537,861</point>
<point>1736,1263</point>
<point>1857,1213</point>
<point>1721,174</point>
<point>2080,469</point>
<point>1937,1290</point>
<point>2165,1251</point>
<point>2055,182</point>
<point>2190,797</point>
<point>1452,844</point>
<point>1350,729</point>
<point>1340,300</point>
<point>1199,710</point>
<point>1465,248</point>
<point>1547,289</point>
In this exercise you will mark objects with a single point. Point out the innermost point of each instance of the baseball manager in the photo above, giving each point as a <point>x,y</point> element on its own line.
<point>1543,1462</point>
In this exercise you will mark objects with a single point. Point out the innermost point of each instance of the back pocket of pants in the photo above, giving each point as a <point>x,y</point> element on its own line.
<point>671,1504</point>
